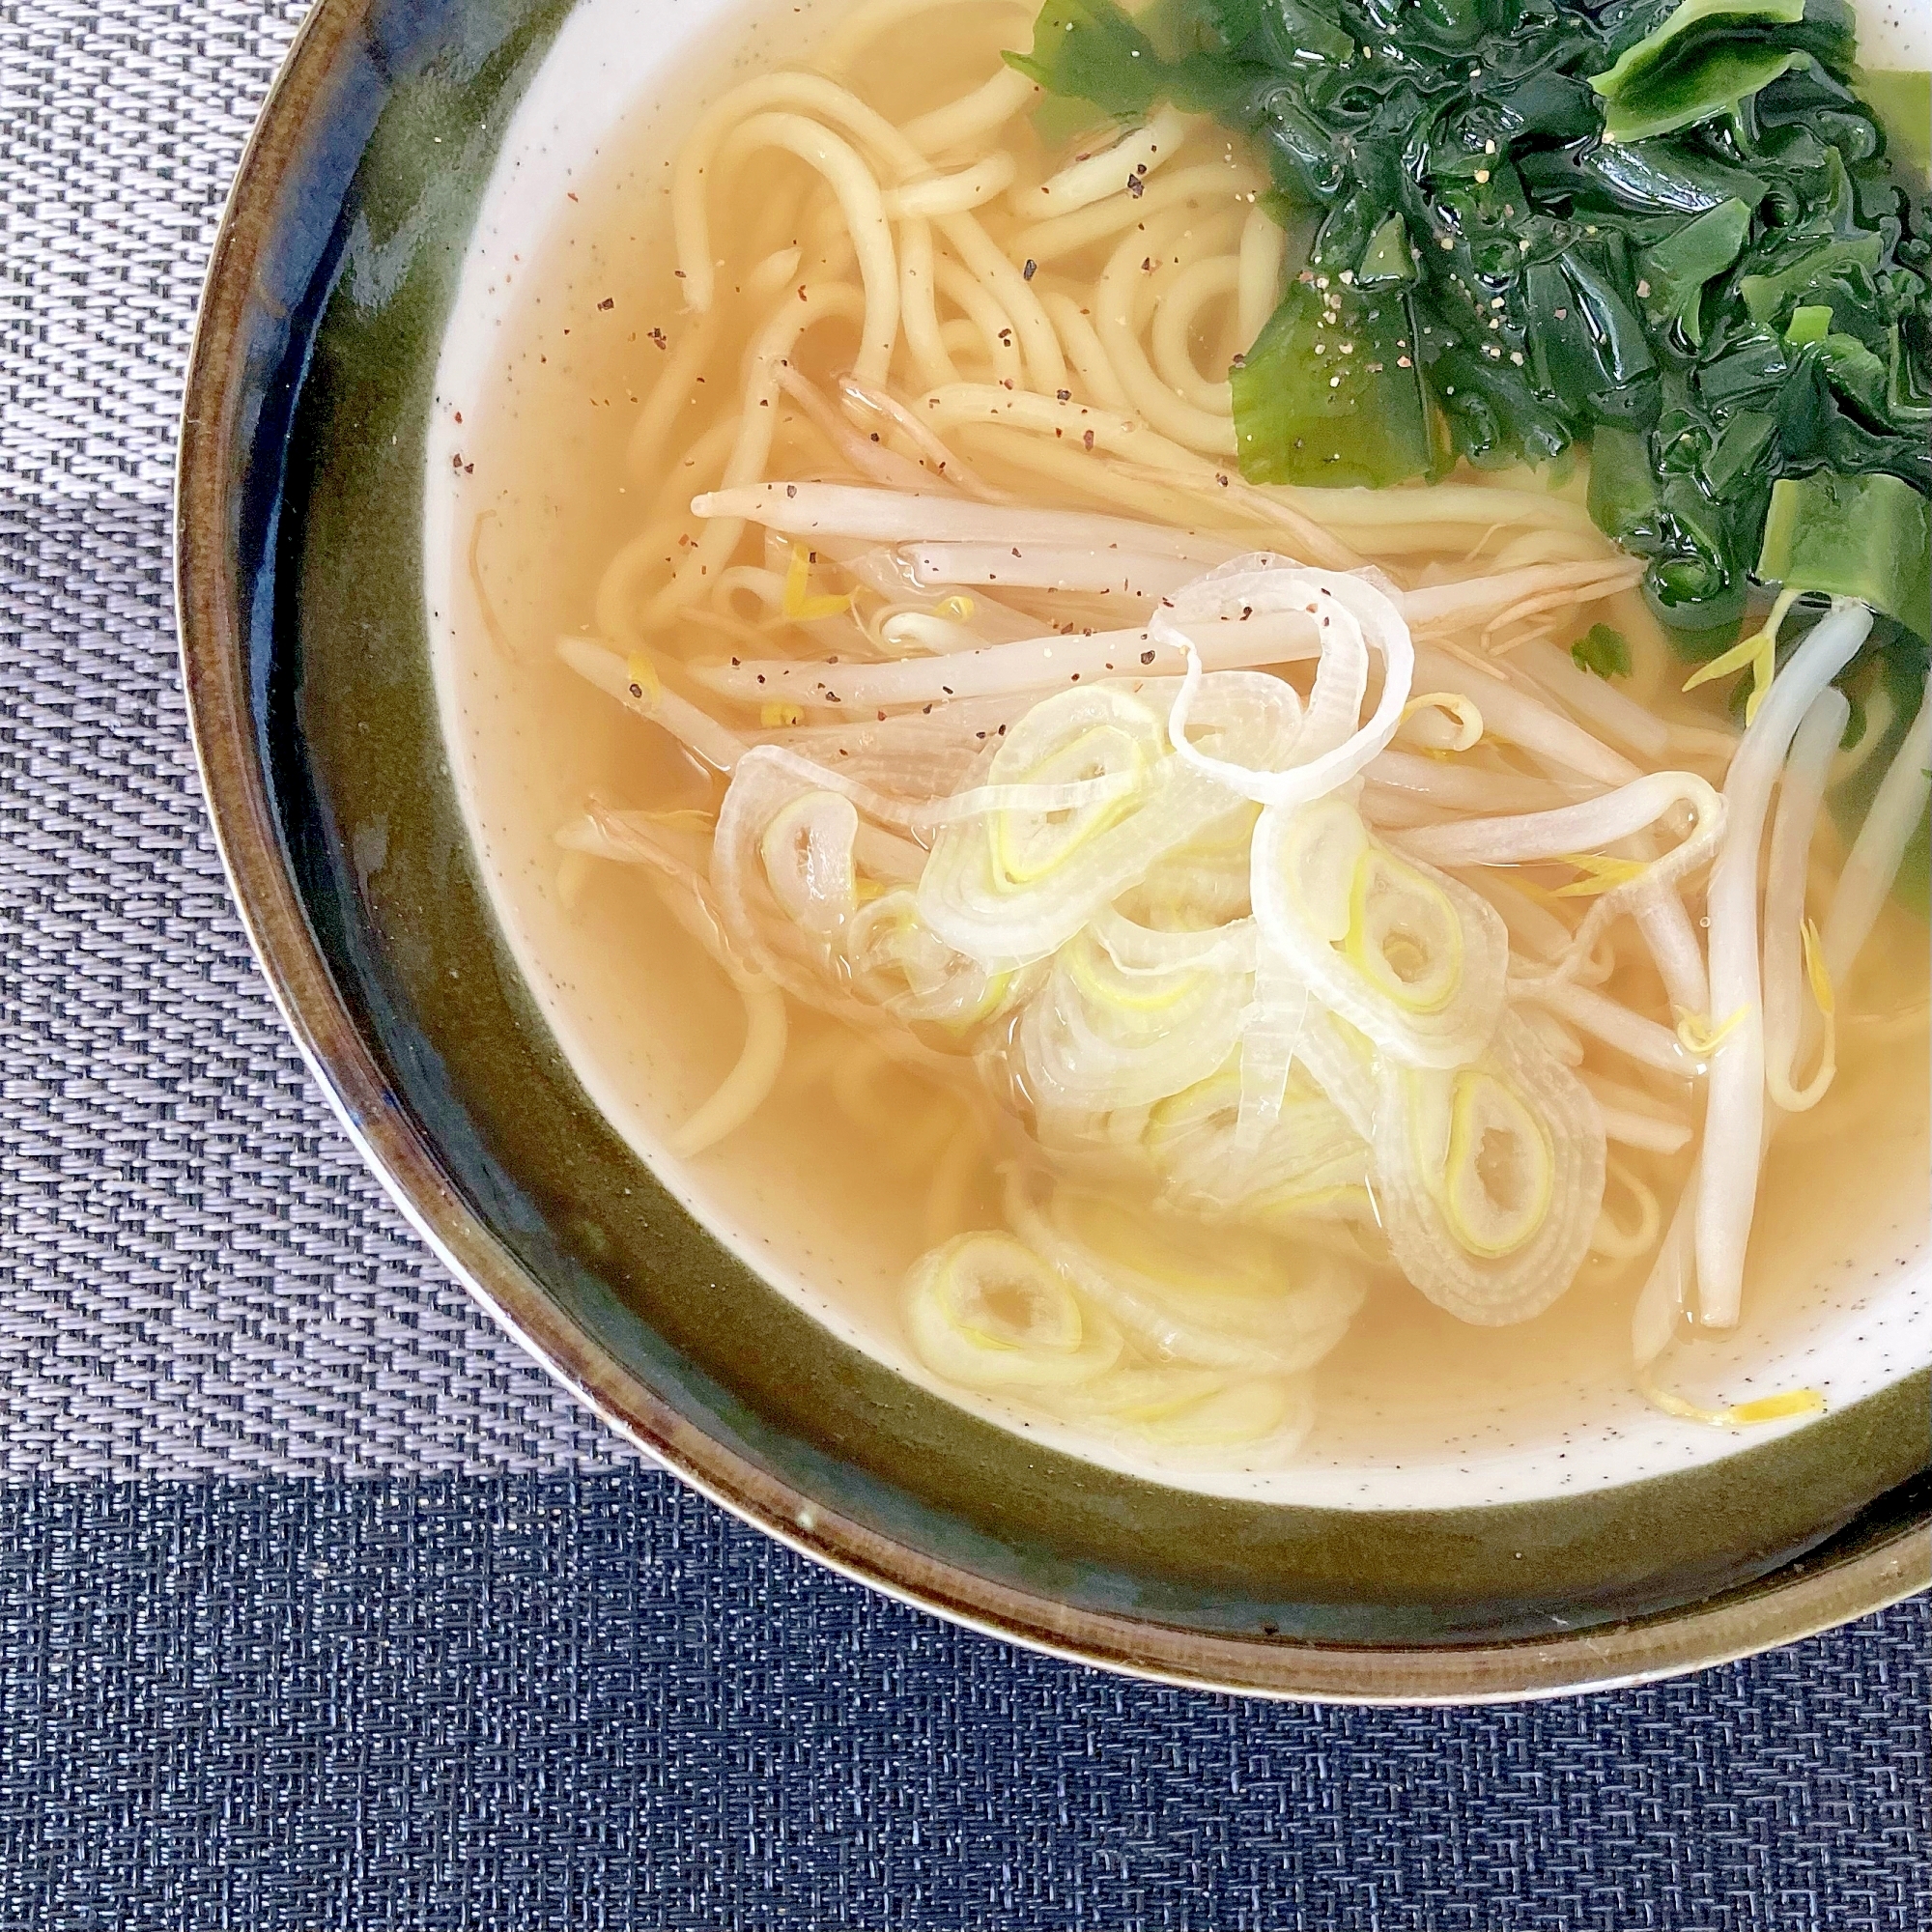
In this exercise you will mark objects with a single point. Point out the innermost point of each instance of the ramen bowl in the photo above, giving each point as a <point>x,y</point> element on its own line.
<point>408,163</point>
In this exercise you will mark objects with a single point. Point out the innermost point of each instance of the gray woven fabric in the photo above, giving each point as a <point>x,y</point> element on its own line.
<point>197,1275</point>
<point>121,124</point>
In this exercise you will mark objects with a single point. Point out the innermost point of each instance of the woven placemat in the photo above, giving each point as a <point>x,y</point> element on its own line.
<point>197,1274</point>
<point>319,1607</point>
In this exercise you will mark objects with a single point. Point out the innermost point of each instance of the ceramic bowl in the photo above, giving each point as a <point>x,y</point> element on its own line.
<point>401,146</point>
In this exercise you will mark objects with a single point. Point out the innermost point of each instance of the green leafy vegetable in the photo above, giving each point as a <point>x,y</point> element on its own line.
<point>1674,230</point>
<point>1389,257</point>
<point>1090,50</point>
<point>1683,265</point>
<point>1330,392</point>
<point>1741,445</point>
<point>1602,650</point>
<point>1869,537</point>
<point>1709,55</point>
<point>1673,521</point>
<point>1847,262</point>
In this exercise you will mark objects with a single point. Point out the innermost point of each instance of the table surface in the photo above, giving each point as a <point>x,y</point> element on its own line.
<point>319,1606</point>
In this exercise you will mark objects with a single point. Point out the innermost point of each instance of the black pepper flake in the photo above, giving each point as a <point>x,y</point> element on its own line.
<point>1086,439</point>
<point>1063,395</point>
<point>608,301</point>
<point>1031,269</point>
<point>1136,187</point>
<point>1146,657</point>
<point>791,489</point>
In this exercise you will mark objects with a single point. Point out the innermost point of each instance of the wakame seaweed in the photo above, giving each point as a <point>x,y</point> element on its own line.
<point>1672,231</point>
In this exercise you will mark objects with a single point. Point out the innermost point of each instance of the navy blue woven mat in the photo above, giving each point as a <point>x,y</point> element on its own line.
<point>592,1700</point>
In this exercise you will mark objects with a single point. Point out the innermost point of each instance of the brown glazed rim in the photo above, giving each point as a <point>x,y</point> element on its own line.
<point>214,671</point>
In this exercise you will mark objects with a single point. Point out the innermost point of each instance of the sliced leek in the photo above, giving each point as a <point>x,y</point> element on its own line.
<point>1411,957</point>
<point>1020,882</point>
<point>1190,1418</point>
<point>1491,1177</point>
<point>985,1311</point>
<point>807,849</point>
<point>1349,617</point>
<point>1244,1309</point>
<point>1097,1036</point>
<point>896,961</point>
<point>1310,1166</point>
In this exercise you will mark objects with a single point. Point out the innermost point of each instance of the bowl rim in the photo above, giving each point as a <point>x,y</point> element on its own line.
<point>1799,1601</point>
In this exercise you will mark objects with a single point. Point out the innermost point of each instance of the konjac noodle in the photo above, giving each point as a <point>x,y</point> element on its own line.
<point>1221,754</point>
